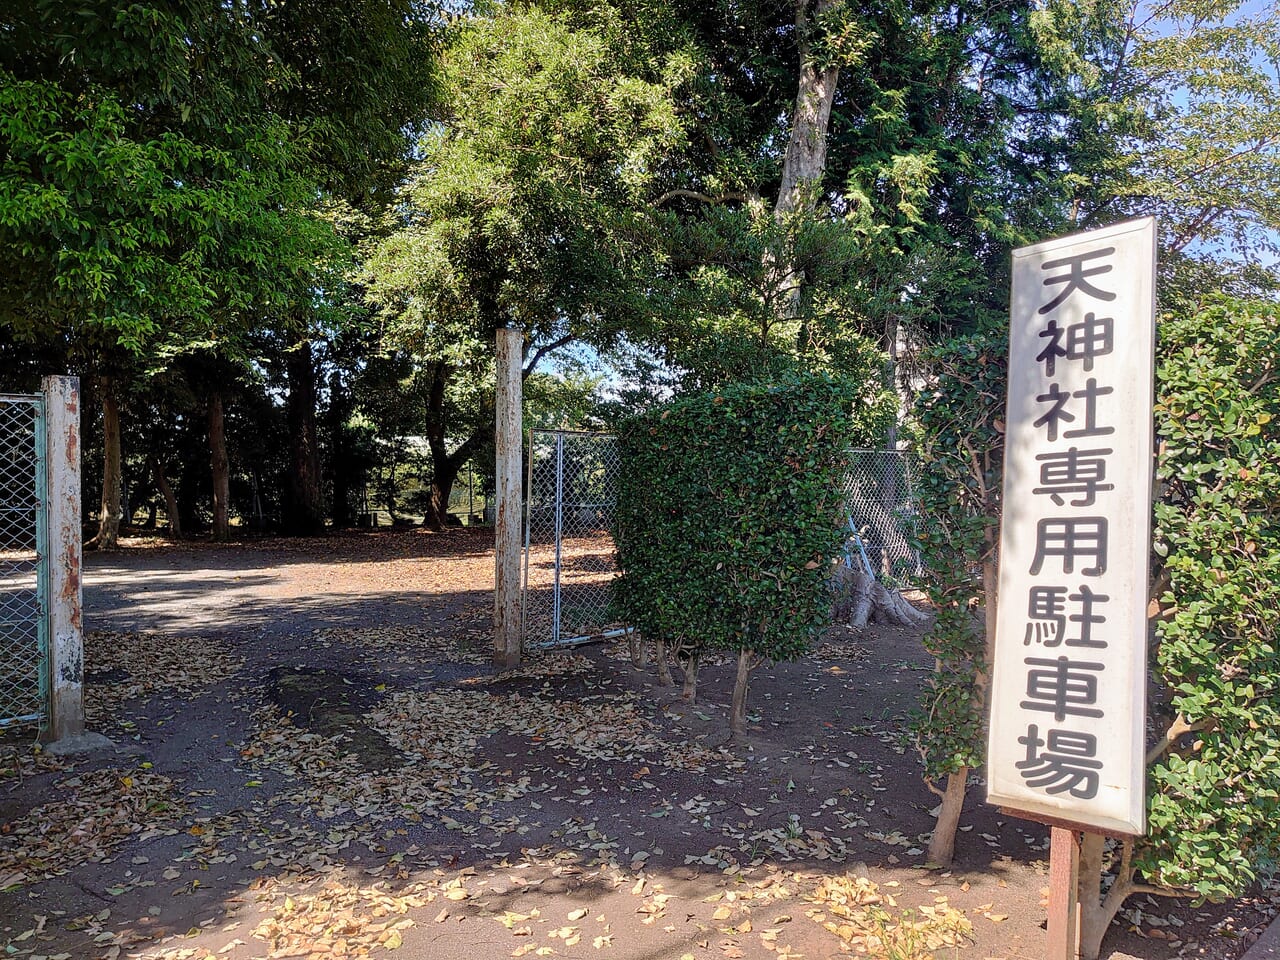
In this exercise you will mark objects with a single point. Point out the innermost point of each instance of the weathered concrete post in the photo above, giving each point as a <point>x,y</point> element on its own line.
<point>62,492</point>
<point>508,628</point>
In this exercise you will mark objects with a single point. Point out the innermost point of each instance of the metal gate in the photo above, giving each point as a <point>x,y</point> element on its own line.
<point>23,561</point>
<point>569,556</point>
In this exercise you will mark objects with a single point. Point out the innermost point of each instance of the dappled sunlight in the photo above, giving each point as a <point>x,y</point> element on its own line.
<point>553,808</point>
<point>359,781</point>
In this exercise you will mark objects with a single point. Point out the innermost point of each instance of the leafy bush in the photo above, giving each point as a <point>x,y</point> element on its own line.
<point>1214,792</point>
<point>728,513</point>
<point>1214,772</point>
<point>959,417</point>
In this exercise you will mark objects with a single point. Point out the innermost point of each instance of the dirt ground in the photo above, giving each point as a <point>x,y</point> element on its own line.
<point>313,759</point>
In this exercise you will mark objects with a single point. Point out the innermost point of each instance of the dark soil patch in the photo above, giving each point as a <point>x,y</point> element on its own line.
<point>333,704</point>
<point>114,675</point>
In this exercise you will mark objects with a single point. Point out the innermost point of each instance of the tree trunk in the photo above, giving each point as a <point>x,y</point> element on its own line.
<point>304,506</point>
<point>190,494</point>
<point>866,599</point>
<point>219,468</point>
<point>1089,895</point>
<point>942,845</point>
<point>944,831</point>
<point>108,537</point>
<point>635,646</point>
<point>88,436</point>
<point>170,502</point>
<point>805,162</point>
<point>445,466</point>
<point>339,462</point>
<point>690,690</point>
<point>444,474</point>
<point>738,705</point>
<point>1096,912</point>
<point>664,669</point>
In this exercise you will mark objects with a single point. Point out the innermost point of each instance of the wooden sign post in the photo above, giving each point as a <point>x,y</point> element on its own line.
<point>1067,728</point>
<point>1064,887</point>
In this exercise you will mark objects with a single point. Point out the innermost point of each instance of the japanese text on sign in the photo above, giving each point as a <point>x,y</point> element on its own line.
<point>1068,685</point>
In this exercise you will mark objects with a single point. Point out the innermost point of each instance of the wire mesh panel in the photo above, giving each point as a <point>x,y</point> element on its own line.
<point>467,501</point>
<point>22,644</point>
<point>881,507</point>
<point>569,552</point>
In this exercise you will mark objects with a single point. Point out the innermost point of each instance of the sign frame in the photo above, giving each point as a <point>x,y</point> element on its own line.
<point>1067,706</point>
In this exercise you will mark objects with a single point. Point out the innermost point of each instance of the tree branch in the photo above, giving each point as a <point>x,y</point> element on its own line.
<point>1163,891</point>
<point>542,352</point>
<point>696,195</point>
<point>1124,885</point>
<point>1178,728</point>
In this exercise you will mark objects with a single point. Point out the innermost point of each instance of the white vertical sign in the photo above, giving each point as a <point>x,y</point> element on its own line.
<point>1068,694</point>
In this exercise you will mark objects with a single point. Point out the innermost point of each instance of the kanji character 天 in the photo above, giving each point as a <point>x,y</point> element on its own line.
<point>1076,277</point>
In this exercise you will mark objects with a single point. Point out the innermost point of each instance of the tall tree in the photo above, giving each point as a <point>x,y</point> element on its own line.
<point>148,199</point>
<point>359,79</point>
<point>519,211</point>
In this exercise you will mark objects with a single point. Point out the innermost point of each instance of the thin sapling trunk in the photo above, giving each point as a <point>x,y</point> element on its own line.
<point>170,501</point>
<point>690,690</point>
<point>664,670</point>
<point>942,845</point>
<point>108,537</point>
<point>635,646</point>
<point>220,468</point>
<point>738,706</point>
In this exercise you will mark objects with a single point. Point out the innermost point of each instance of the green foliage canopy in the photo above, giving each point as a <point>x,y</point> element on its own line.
<point>142,187</point>
<point>1214,773</point>
<point>1214,791</point>
<point>520,207</point>
<point>959,424</point>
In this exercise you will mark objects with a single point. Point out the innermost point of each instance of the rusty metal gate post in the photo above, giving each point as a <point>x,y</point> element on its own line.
<point>62,548</point>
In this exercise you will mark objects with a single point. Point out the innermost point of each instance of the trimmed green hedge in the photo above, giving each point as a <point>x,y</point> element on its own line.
<point>728,511</point>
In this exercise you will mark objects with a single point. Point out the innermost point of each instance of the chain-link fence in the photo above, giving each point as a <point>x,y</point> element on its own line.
<point>882,510</point>
<point>467,499</point>
<point>22,644</point>
<point>569,552</point>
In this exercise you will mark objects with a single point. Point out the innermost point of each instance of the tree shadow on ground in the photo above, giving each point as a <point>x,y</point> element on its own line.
<point>824,782</point>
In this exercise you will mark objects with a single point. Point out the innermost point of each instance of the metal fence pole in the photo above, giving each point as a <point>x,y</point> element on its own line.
<point>530,499</point>
<point>559,533</point>
<point>62,548</point>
